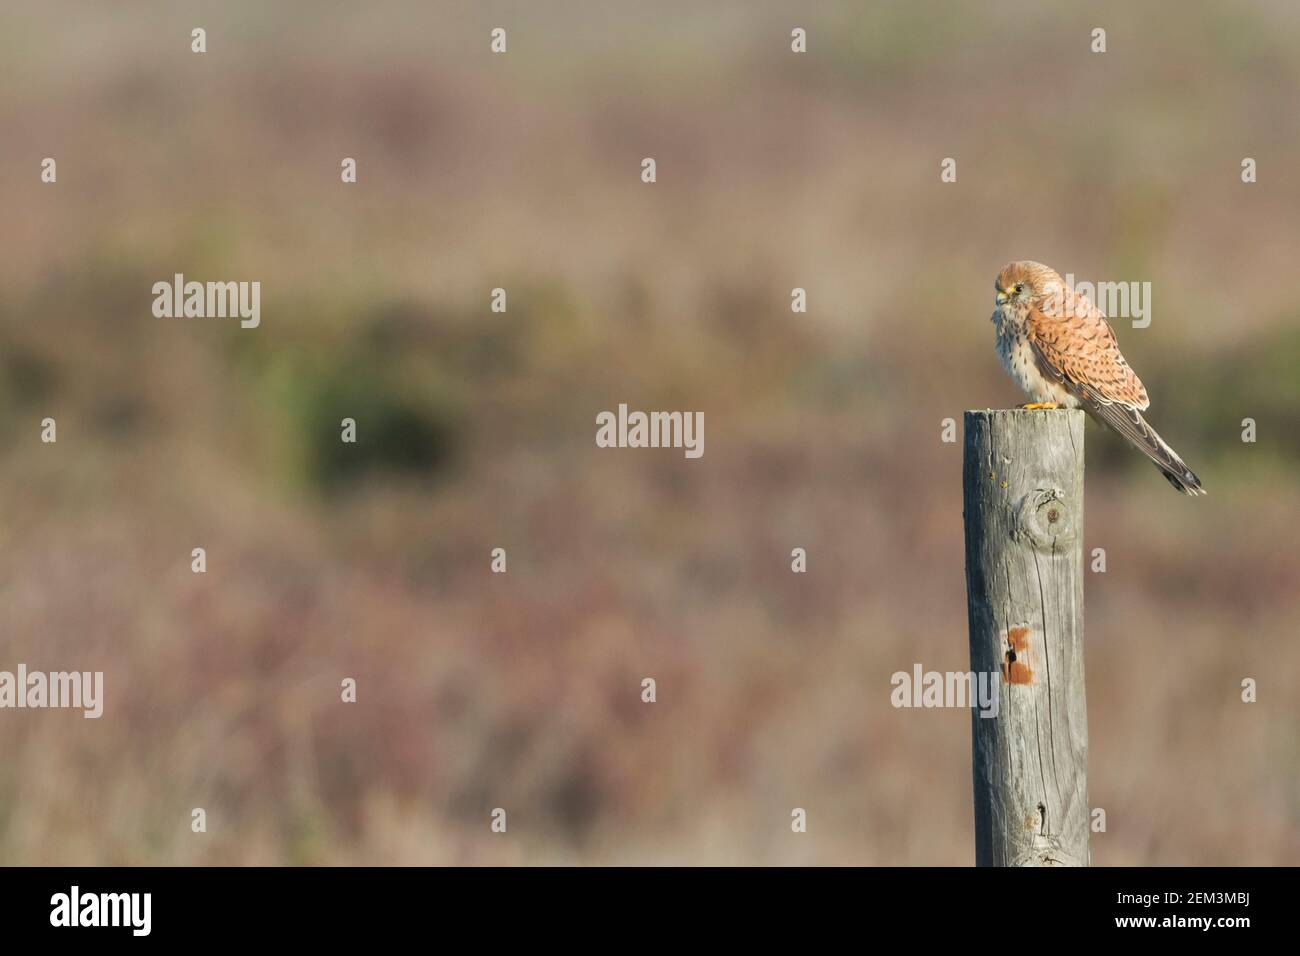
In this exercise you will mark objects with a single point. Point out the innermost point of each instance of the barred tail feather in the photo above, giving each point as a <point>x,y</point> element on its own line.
<point>1129,423</point>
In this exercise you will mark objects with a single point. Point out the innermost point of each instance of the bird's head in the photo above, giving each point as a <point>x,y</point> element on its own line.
<point>1025,284</point>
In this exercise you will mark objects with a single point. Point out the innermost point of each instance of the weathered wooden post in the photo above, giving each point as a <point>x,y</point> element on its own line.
<point>1022,491</point>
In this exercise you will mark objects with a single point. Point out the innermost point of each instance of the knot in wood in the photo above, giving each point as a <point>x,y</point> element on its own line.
<point>1045,519</point>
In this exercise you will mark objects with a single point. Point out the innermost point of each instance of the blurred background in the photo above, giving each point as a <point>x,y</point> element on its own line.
<point>476,430</point>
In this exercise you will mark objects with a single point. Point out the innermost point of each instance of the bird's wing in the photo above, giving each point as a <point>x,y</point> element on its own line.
<point>1076,346</point>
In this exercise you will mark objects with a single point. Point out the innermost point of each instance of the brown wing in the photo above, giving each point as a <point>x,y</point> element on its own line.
<point>1076,347</point>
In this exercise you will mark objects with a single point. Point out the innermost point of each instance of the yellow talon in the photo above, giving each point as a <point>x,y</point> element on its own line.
<point>1034,406</point>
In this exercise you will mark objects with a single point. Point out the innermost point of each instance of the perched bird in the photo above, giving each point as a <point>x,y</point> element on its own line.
<point>1060,349</point>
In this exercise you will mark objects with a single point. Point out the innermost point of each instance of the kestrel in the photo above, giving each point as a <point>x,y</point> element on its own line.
<point>1060,349</point>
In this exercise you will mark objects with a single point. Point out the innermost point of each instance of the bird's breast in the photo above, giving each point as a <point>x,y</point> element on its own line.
<point>1018,359</point>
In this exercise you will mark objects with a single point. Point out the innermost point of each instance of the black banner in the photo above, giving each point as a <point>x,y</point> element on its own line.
<point>371,905</point>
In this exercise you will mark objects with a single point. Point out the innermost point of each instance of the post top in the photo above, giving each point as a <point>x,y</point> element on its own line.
<point>1021,413</point>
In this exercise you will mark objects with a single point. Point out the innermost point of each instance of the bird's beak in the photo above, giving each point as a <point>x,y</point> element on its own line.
<point>1002,297</point>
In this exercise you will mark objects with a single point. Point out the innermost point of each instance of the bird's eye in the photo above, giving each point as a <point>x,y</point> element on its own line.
<point>1019,288</point>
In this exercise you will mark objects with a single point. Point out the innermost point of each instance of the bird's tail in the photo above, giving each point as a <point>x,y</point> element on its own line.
<point>1130,423</point>
<point>1170,464</point>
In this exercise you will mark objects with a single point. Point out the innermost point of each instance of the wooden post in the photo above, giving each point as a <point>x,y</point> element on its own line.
<point>1022,493</point>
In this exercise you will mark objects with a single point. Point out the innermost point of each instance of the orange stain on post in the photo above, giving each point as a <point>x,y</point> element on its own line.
<point>1015,663</point>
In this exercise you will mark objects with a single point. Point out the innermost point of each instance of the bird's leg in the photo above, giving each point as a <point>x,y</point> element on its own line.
<point>1033,406</point>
